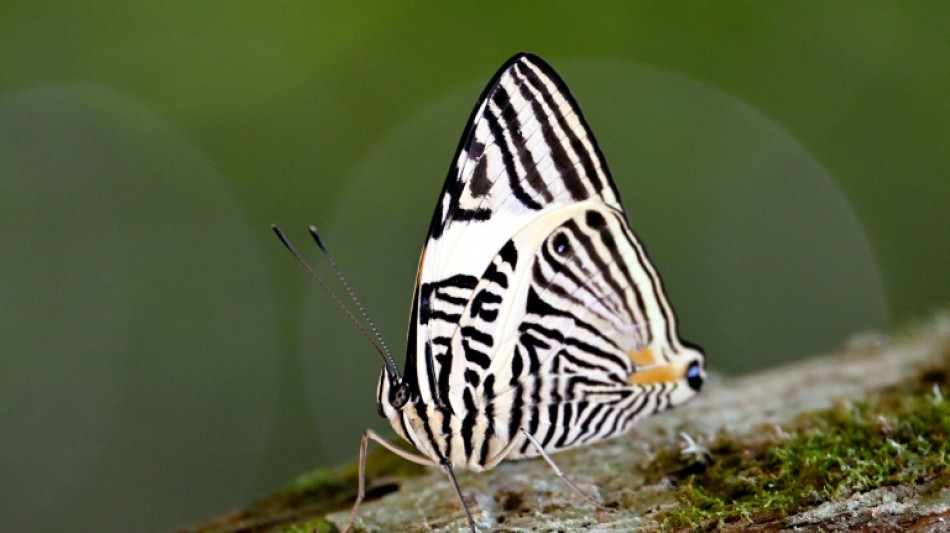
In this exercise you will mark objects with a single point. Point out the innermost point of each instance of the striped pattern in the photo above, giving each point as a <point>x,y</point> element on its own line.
<point>536,310</point>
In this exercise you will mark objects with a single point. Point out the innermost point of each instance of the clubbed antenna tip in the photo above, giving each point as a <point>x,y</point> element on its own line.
<point>318,238</point>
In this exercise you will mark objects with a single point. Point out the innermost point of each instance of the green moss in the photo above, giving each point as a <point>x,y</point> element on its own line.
<point>305,500</point>
<point>317,480</point>
<point>319,525</point>
<point>899,436</point>
<point>380,464</point>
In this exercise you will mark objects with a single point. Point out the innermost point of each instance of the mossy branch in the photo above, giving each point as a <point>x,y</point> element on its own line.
<point>855,440</point>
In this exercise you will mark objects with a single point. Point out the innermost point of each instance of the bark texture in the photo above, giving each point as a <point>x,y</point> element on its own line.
<point>528,496</point>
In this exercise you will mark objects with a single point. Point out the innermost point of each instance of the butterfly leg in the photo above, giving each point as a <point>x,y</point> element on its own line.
<point>558,472</point>
<point>458,492</point>
<point>361,491</point>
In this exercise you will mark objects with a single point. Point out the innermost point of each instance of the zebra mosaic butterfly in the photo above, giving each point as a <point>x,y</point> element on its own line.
<point>538,321</point>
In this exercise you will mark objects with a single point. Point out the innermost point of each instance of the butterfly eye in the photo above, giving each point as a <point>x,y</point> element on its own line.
<point>561,244</point>
<point>694,376</point>
<point>399,396</point>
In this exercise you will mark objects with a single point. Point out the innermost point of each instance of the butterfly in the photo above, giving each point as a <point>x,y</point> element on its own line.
<point>538,322</point>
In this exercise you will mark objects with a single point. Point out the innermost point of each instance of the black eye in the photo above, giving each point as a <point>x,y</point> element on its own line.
<point>694,376</point>
<point>399,396</point>
<point>561,244</point>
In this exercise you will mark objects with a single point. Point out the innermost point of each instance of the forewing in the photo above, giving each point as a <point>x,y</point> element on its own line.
<point>526,149</point>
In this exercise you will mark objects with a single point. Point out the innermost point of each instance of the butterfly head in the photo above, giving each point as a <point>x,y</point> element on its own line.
<point>392,393</point>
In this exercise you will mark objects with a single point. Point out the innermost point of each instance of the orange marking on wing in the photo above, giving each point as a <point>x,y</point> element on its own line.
<point>652,371</point>
<point>657,374</point>
<point>642,357</point>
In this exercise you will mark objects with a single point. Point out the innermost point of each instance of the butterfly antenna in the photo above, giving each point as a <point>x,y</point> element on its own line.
<point>384,350</point>
<point>349,291</point>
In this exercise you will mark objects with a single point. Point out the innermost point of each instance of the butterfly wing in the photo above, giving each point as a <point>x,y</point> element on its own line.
<point>536,307</point>
<point>526,148</point>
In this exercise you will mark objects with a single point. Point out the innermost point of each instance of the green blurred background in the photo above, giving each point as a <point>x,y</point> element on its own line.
<point>163,359</point>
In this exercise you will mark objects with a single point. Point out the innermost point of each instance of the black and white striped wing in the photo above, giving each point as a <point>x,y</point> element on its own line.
<point>536,307</point>
<point>525,149</point>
